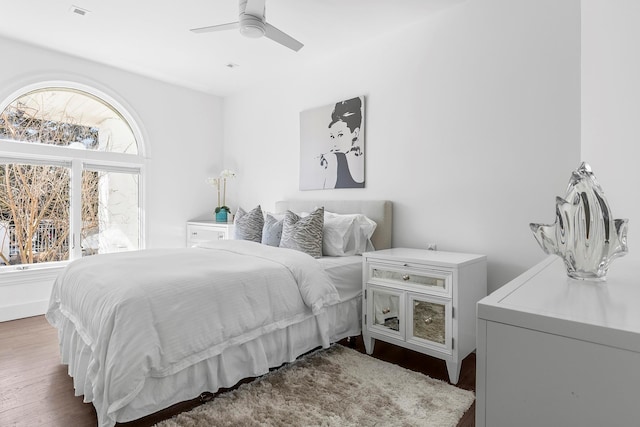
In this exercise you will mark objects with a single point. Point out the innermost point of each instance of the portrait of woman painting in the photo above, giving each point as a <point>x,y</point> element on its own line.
<point>332,146</point>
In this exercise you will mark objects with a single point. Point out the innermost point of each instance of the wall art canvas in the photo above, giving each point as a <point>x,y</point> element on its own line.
<point>332,148</point>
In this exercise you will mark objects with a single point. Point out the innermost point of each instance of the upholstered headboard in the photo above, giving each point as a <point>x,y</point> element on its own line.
<point>381,211</point>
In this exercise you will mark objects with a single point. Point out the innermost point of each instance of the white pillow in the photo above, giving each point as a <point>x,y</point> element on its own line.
<point>347,234</point>
<point>363,238</point>
<point>337,235</point>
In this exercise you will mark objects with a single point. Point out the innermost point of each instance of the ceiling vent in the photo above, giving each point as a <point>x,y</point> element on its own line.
<point>78,10</point>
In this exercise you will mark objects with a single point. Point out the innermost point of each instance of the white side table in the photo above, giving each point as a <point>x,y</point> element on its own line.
<point>423,300</point>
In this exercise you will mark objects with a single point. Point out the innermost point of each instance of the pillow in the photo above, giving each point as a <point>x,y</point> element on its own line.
<point>272,229</point>
<point>365,230</point>
<point>303,234</point>
<point>337,235</point>
<point>348,234</point>
<point>248,225</point>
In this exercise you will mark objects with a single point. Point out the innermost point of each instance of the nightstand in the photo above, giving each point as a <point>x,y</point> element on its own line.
<point>206,230</point>
<point>423,300</point>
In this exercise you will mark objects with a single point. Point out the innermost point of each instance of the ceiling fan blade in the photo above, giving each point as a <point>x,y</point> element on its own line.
<point>279,37</point>
<point>221,27</point>
<point>255,8</point>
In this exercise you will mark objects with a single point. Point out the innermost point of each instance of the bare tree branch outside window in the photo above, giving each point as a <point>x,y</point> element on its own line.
<point>34,198</point>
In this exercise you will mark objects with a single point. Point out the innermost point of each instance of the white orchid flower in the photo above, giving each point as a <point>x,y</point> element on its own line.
<point>227,173</point>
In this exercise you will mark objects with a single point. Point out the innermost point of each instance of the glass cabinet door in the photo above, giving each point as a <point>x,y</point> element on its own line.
<point>385,311</point>
<point>428,321</point>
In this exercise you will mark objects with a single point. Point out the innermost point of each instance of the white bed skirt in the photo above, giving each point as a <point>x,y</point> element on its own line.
<point>251,359</point>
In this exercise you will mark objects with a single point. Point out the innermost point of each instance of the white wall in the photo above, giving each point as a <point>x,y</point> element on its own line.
<point>611,104</point>
<point>472,127</point>
<point>183,131</point>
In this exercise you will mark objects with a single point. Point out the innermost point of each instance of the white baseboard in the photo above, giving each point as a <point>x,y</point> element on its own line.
<point>20,311</point>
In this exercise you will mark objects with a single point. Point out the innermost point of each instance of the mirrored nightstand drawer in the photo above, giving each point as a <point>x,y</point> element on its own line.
<point>431,280</point>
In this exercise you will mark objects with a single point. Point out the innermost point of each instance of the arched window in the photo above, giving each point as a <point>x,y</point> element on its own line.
<point>70,176</point>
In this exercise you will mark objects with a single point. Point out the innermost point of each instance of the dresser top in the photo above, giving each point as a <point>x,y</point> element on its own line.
<point>544,298</point>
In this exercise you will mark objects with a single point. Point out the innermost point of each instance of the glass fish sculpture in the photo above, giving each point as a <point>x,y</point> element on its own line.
<point>584,235</point>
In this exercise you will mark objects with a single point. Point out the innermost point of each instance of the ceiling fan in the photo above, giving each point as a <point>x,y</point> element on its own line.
<point>252,24</point>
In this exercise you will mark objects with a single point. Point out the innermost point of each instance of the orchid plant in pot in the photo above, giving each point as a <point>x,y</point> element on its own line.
<point>220,182</point>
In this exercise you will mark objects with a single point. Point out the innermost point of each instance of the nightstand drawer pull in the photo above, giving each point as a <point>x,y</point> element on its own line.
<point>405,277</point>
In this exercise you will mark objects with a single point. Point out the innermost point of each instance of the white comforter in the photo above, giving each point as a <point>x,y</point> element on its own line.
<point>152,313</point>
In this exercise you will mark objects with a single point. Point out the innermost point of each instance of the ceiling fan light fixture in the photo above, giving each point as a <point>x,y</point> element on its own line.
<point>252,26</point>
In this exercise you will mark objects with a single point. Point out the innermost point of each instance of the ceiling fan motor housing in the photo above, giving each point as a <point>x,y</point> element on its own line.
<point>251,26</point>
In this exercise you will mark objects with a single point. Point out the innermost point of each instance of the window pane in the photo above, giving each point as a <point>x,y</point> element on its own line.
<point>110,211</point>
<point>67,117</point>
<point>34,213</point>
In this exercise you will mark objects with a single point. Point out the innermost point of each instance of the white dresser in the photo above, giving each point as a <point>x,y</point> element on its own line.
<point>554,351</point>
<point>206,230</point>
<point>423,300</point>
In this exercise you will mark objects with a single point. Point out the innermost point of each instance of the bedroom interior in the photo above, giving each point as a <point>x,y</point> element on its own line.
<point>476,111</point>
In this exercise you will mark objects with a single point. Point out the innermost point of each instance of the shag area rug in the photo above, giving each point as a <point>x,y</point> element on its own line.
<point>334,387</point>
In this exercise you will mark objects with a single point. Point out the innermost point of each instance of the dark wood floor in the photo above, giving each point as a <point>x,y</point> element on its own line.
<point>35,389</point>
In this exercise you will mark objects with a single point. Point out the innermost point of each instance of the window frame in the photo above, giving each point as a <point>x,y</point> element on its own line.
<point>78,159</point>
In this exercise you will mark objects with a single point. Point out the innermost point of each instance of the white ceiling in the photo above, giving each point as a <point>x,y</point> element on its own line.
<point>152,37</point>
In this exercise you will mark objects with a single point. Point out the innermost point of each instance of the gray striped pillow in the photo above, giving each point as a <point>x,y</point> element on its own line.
<point>303,233</point>
<point>248,225</point>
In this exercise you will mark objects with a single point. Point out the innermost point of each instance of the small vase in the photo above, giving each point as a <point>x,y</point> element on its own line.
<point>221,216</point>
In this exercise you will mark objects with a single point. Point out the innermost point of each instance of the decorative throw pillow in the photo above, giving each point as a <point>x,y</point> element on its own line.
<point>303,234</point>
<point>272,230</point>
<point>248,225</point>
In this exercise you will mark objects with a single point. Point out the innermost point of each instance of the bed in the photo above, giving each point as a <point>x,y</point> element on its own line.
<point>122,319</point>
